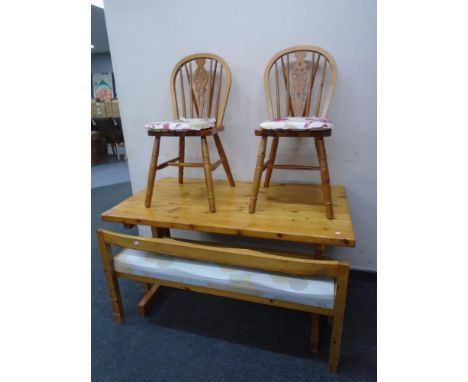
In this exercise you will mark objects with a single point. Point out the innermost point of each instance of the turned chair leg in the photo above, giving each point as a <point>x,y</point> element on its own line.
<point>258,175</point>
<point>271,160</point>
<point>111,278</point>
<point>181,159</point>
<point>152,171</point>
<point>208,175</point>
<point>322,157</point>
<point>224,160</point>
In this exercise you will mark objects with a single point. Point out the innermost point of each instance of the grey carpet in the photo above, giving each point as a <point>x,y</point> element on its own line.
<point>110,172</point>
<point>194,337</point>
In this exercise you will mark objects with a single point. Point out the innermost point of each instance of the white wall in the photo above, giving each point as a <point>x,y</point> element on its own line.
<point>148,37</point>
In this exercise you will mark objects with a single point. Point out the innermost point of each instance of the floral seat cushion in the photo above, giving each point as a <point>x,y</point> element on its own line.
<point>311,291</point>
<point>297,123</point>
<point>182,124</point>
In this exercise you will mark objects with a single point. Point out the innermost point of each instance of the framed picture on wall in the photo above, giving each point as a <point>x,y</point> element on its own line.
<point>103,85</point>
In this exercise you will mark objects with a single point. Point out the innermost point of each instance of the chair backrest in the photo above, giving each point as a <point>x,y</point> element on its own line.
<point>299,82</point>
<point>200,85</point>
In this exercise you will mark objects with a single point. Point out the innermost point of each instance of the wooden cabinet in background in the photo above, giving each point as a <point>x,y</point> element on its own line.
<point>98,147</point>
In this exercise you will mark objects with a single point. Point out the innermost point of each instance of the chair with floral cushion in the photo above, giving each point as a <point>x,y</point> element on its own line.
<point>200,85</point>
<point>302,77</point>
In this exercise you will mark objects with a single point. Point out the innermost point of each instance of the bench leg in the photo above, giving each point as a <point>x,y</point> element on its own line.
<point>337,321</point>
<point>258,175</point>
<point>335,345</point>
<point>111,279</point>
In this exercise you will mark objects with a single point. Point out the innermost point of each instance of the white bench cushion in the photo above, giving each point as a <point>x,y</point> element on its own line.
<point>182,124</point>
<point>317,292</point>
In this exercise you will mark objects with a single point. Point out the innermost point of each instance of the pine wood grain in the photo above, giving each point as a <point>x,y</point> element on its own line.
<point>289,263</point>
<point>292,212</point>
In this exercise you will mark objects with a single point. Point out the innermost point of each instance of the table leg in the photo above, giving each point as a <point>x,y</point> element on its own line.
<point>314,332</point>
<point>318,251</point>
<point>315,318</point>
<point>147,301</point>
<point>144,306</point>
<point>160,232</point>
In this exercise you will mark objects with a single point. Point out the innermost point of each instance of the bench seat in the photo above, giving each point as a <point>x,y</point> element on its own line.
<point>316,291</point>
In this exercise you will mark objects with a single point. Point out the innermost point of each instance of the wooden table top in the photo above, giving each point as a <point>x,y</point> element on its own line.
<point>292,212</point>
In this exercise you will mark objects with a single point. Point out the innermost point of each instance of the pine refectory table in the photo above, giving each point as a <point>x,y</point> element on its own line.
<point>291,212</point>
<point>286,212</point>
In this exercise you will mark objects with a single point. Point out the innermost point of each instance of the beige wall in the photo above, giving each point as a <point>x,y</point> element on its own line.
<point>148,37</point>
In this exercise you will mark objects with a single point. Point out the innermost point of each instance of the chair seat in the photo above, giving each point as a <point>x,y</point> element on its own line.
<point>298,133</point>
<point>297,123</point>
<point>184,124</point>
<point>317,292</point>
<point>186,133</point>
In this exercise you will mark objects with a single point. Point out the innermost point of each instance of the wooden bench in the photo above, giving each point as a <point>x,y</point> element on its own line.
<point>320,285</point>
